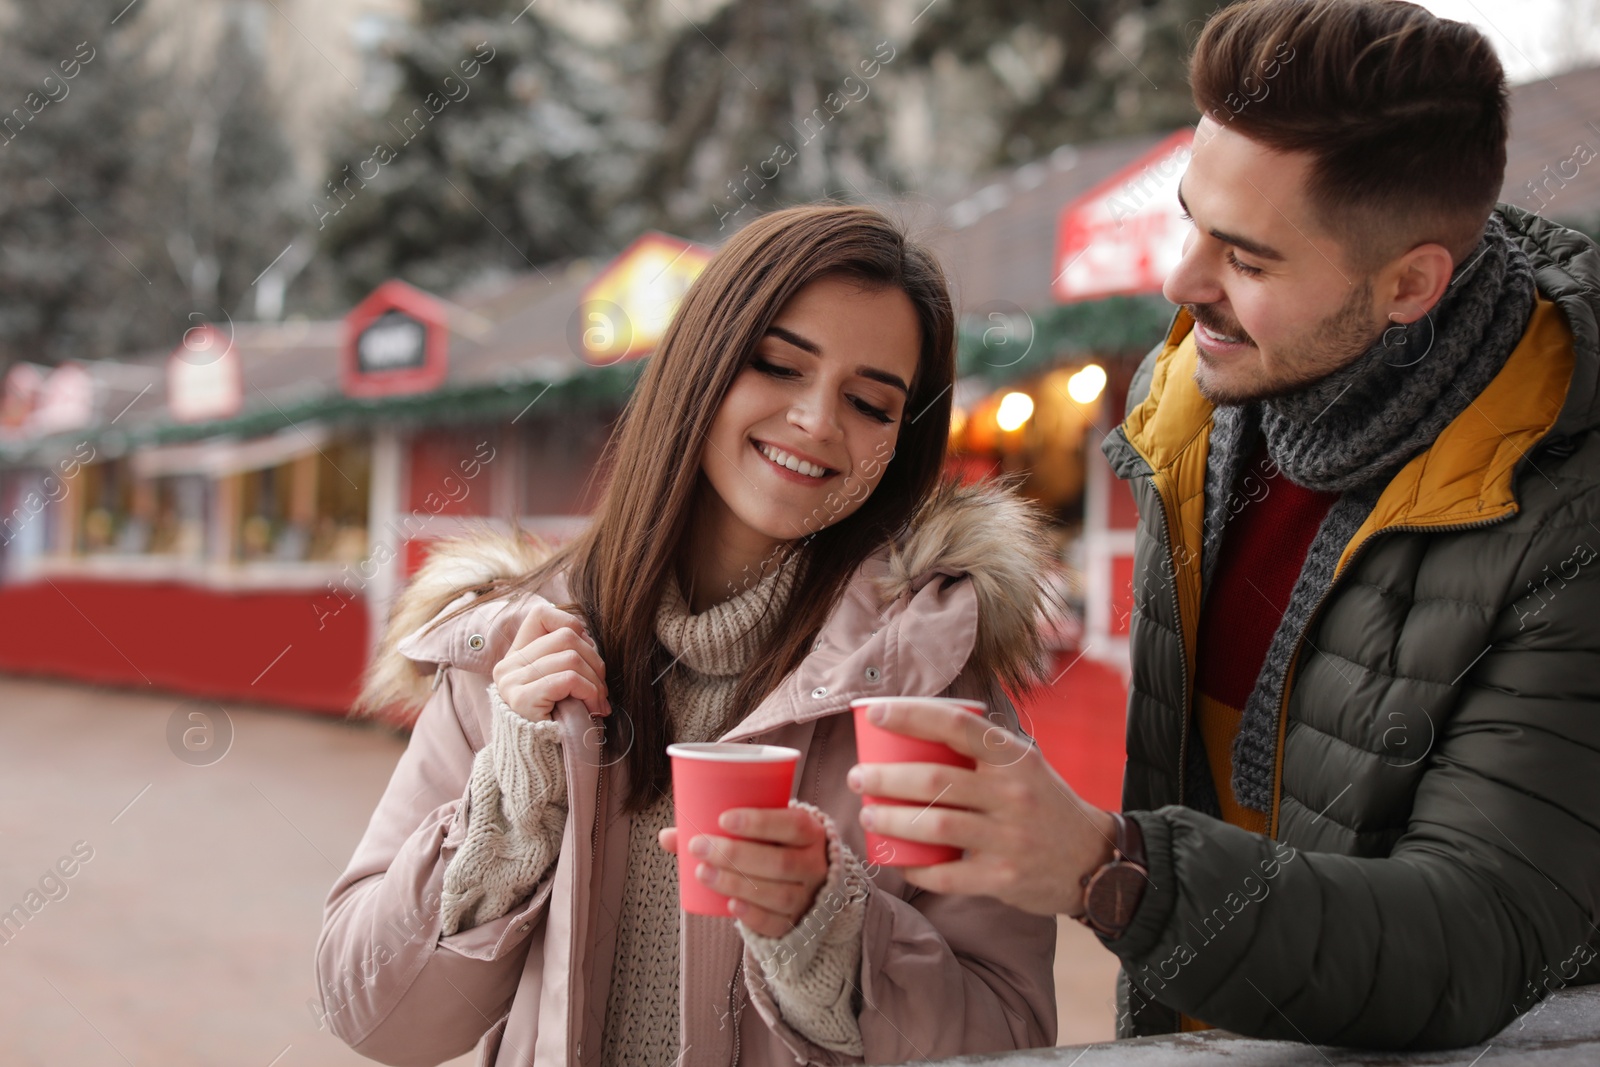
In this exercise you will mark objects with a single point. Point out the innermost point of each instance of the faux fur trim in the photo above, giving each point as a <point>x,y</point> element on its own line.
<point>1000,540</point>
<point>985,530</point>
<point>393,689</point>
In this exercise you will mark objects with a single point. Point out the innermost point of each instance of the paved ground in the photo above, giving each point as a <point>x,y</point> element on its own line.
<point>184,935</point>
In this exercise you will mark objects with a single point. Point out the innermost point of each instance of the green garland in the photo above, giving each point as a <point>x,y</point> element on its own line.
<point>1000,346</point>
<point>994,346</point>
<point>596,388</point>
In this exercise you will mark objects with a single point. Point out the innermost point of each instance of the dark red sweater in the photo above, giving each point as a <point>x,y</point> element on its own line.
<point>1268,527</point>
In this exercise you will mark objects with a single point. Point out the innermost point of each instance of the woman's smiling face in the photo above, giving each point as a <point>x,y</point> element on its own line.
<point>806,429</point>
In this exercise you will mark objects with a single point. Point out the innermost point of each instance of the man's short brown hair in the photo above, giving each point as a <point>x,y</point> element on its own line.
<point>1403,113</point>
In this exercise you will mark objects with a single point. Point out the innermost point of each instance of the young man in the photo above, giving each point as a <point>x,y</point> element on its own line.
<point>1363,775</point>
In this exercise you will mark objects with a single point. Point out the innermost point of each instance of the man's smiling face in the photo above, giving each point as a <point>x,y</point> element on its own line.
<point>1276,301</point>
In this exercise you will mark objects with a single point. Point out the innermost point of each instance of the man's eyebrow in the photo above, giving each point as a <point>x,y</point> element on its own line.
<point>1255,248</point>
<point>886,377</point>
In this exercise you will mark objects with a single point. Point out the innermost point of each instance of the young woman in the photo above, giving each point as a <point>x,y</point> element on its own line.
<point>772,543</point>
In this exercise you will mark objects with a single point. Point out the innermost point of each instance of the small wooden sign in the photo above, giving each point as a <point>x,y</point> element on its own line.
<point>396,342</point>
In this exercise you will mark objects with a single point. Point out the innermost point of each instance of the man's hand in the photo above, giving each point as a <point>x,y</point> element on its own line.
<point>773,879</point>
<point>1029,839</point>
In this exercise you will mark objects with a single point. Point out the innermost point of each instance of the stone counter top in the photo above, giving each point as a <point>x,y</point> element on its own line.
<point>1562,1031</point>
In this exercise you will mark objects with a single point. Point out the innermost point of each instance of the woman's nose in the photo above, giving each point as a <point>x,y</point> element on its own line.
<point>816,415</point>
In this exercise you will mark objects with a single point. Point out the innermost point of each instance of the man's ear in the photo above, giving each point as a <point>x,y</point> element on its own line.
<point>1416,281</point>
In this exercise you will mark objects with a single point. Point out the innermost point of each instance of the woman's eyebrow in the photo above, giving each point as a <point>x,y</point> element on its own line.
<point>815,349</point>
<point>794,339</point>
<point>885,377</point>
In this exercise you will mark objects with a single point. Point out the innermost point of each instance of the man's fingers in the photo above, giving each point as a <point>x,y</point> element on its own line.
<point>924,783</point>
<point>929,822</point>
<point>961,730</point>
<point>975,736</point>
<point>968,877</point>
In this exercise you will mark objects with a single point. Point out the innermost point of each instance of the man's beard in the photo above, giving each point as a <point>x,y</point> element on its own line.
<point>1335,342</point>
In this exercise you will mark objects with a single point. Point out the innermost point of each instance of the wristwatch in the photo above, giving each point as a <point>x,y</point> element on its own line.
<point>1111,892</point>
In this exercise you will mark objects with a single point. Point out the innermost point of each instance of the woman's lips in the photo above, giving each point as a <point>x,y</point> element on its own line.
<point>785,473</point>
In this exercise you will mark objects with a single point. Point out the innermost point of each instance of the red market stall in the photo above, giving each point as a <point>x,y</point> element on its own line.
<point>232,518</point>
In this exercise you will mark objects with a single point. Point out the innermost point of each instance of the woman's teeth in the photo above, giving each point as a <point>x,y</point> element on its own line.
<point>794,463</point>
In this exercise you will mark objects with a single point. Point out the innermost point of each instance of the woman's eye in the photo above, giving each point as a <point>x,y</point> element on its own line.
<point>1242,268</point>
<point>773,369</point>
<point>874,413</point>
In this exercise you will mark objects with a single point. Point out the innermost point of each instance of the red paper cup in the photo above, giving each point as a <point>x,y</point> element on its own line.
<point>877,745</point>
<point>709,779</point>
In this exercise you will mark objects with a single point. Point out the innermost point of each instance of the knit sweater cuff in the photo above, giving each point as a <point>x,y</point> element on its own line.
<point>527,758</point>
<point>811,971</point>
<point>516,812</point>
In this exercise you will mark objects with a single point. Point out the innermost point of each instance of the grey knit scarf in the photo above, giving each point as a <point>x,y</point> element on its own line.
<point>1350,432</point>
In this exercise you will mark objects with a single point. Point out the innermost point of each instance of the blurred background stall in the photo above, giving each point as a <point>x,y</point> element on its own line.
<point>290,289</point>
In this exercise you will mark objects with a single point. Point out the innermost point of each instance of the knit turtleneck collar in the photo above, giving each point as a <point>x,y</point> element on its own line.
<point>1363,421</point>
<point>722,640</point>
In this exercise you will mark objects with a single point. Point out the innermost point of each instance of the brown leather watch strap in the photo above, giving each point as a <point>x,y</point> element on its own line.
<point>1113,890</point>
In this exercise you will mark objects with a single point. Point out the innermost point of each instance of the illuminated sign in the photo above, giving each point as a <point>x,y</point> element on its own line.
<point>624,312</point>
<point>1126,234</point>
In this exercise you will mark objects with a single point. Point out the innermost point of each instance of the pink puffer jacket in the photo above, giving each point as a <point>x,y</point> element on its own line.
<point>949,610</point>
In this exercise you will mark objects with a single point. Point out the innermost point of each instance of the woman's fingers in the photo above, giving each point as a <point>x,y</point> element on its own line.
<point>544,617</point>
<point>755,859</point>
<point>566,661</point>
<point>551,658</point>
<point>534,694</point>
<point>564,639</point>
<point>795,827</point>
<point>788,899</point>
<point>749,897</point>
<point>558,664</point>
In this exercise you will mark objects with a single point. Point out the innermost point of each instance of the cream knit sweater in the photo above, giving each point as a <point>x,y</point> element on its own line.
<point>517,809</point>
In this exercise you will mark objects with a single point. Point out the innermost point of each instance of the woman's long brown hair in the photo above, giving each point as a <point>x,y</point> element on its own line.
<point>616,568</point>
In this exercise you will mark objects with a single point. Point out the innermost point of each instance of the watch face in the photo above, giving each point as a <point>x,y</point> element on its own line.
<point>1114,895</point>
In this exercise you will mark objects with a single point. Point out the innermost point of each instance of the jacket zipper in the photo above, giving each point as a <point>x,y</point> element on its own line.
<point>594,850</point>
<point>1294,660</point>
<point>1183,655</point>
<point>735,1009</point>
<point>599,786</point>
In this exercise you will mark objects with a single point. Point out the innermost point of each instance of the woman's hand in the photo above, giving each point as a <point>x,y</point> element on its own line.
<point>551,658</point>
<point>774,877</point>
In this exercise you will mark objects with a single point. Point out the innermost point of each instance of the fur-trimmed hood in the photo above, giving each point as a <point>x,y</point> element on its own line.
<point>984,531</point>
